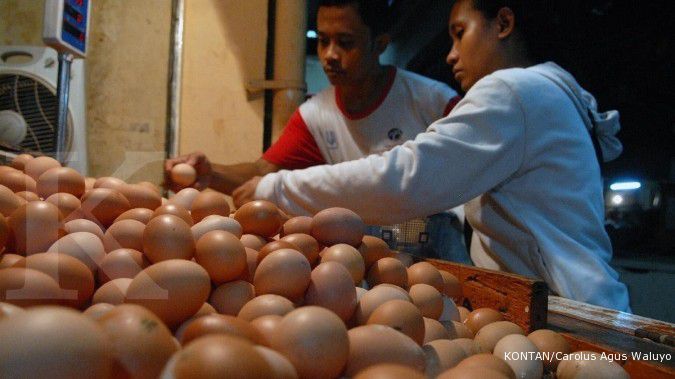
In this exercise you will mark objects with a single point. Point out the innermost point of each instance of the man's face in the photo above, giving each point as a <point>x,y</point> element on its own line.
<point>346,48</point>
<point>475,40</point>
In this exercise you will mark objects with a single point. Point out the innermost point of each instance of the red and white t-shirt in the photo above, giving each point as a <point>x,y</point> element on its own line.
<point>322,131</point>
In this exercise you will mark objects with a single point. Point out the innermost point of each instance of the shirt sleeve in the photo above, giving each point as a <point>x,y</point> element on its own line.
<point>479,145</point>
<point>296,147</point>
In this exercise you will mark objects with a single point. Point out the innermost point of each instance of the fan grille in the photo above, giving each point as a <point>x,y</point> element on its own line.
<point>38,105</point>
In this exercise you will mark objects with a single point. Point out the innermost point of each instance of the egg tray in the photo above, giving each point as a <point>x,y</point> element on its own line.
<point>523,301</point>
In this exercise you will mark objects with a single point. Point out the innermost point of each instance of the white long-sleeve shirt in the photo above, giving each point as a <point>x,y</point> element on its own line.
<point>516,149</point>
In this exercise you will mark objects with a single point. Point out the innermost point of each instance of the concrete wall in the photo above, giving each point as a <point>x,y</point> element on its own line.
<point>126,80</point>
<point>225,44</point>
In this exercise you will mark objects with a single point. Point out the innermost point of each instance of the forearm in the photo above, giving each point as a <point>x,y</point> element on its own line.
<point>226,178</point>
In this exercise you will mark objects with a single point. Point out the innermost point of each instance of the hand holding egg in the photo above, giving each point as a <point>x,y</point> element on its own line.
<point>191,170</point>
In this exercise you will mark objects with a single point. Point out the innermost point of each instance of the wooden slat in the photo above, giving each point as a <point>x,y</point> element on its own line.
<point>658,331</point>
<point>522,300</point>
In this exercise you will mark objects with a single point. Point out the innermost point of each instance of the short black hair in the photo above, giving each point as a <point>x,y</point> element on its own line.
<point>374,13</point>
<point>535,23</point>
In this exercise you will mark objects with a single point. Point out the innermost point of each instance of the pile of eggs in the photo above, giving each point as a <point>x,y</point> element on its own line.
<point>100,278</point>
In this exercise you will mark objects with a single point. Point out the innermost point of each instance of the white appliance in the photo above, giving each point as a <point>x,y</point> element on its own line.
<point>28,105</point>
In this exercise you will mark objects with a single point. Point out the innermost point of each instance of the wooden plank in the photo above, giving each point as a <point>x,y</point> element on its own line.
<point>522,300</point>
<point>658,331</point>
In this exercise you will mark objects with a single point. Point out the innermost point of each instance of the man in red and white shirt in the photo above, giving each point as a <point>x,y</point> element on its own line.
<point>369,108</point>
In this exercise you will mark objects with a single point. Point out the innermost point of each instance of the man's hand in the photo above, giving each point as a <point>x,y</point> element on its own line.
<point>245,192</point>
<point>201,164</point>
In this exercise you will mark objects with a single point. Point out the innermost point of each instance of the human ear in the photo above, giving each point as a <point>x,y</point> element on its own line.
<point>506,21</point>
<point>381,43</point>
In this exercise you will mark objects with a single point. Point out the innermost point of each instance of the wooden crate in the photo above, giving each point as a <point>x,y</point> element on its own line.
<point>522,300</point>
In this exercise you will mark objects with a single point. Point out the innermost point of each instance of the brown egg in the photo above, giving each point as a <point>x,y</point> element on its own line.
<point>141,196</point>
<point>176,210</point>
<point>347,256</point>
<point>389,371</point>
<point>104,205</point>
<point>376,297</point>
<point>274,246</point>
<point>89,183</point>
<point>112,292</point>
<point>173,289</point>
<point>19,162</point>
<point>183,174</point>
<point>370,345</point>
<point>17,181</point>
<point>60,179</point>
<point>331,287</point>
<point>121,263</point>
<point>463,313</point>
<point>27,287</point>
<point>9,260</point>
<point>427,299</point>
<point>167,237</point>
<point>280,365</point>
<point>218,356</point>
<point>253,241</point>
<point>297,225</point>
<point>4,232</point>
<point>124,234</point>
<point>70,345</point>
<point>143,215</point>
<point>185,197</point>
<point>8,201</point>
<point>548,341</point>
<point>264,305</point>
<point>84,246</point>
<point>222,255</point>
<point>442,355</point>
<point>488,336</point>
<point>471,373</point>
<point>109,182</point>
<point>151,186</point>
<point>206,309</point>
<point>402,316</point>
<point>259,217</point>
<point>373,249</point>
<point>337,225</point>
<point>251,265</point>
<point>35,226</point>
<point>220,324</point>
<point>66,203</point>
<point>462,330</point>
<point>519,344</point>
<point>452,288</point>
<point>28,196</point>
<point>425,272</point>
<point>229,298</point>
<point>141,343</point>
<point>284,272</point>
<point>216,222</point>
<point>209,203</point>
<point>315,340</point>
<point>481,317</point>
<point>267,326</point>
<point>305,244</point>
<point>388,270</point>
<point>74,277</point>
<point>83,225</point>
<point>488,361</point>
<point>588,364</point>
<point>434,330</point>
<point>39,165</point>
<point>96,311</point>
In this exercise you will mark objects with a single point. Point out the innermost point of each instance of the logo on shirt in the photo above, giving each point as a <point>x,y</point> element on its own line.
<point>331,139</point>
<point>395,134</point>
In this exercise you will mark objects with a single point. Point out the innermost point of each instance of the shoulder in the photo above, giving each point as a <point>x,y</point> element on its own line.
<point>322,100</point>
<point>516,79</point>
<point>420,81</point>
